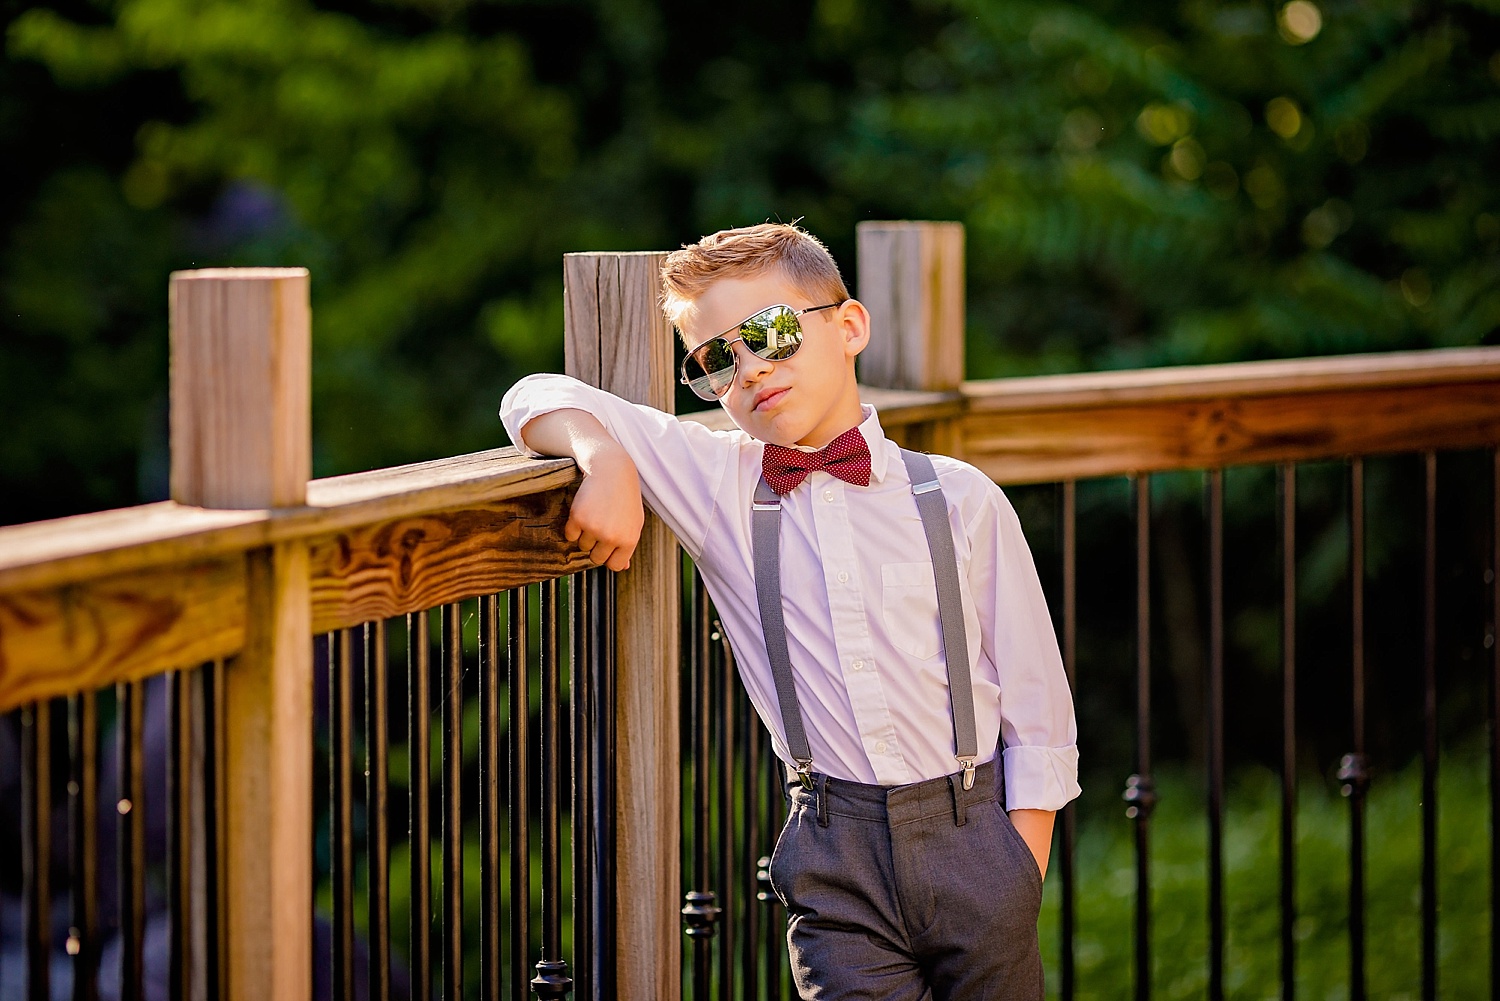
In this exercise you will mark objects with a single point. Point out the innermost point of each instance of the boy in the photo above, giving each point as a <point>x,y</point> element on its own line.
<point>884,612</point>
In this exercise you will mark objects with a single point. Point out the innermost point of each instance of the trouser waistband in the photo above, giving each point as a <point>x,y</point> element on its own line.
<point>903,804</point>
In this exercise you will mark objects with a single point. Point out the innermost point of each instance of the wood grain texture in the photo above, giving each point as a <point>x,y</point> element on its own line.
<point>56,641</point>
<point>68,637</point>
<point>241,387</point>
<point>613,316</point>
<point>581,333</point>
<point>911,279</point>
<point>268,718</point>
<point>408,564</point>
<point>83,547</point>
<point>1041,444</point>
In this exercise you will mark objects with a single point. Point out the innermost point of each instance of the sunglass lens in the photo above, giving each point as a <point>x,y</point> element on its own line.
<point>710,369</point>
<point>773,333</point>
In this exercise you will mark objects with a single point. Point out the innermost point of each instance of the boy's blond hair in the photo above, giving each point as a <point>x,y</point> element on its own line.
<point>747,253</point>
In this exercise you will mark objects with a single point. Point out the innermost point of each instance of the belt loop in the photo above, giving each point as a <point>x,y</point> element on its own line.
<point>822,800</point>
<point>960,808</point>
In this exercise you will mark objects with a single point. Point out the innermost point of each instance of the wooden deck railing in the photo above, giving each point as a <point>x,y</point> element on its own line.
<point>251,560</point>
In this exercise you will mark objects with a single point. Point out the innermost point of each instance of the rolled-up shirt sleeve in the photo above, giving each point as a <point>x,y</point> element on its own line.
<point>681,463</point>
<point>1037,724</point>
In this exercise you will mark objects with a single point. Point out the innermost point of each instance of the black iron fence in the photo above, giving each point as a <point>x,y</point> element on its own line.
<point>471,867</point>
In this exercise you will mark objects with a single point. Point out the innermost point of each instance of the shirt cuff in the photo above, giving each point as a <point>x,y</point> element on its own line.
<point>1040,778</point>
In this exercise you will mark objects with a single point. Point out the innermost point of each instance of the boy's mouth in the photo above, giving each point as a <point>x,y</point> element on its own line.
<point>766,401</point>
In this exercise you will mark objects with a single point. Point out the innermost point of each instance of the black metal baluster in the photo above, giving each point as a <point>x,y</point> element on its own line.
<point>419,755</point>
<point>453,846</point>
<point>727,876</point>
<point>36,849</point>
<point>603,666</point>
<point>1215,734</point>
<point>1069,833</point>
<point>775,816</point>
<point>179,834</point>
<point>131,700</point>
<point>83,840</point>
<point>700,910</point>
<point>213,824</point>
<point>750,843</point>
<point>1288,731</point>
<point>1352,771</point>
<point>1140,794</point>
<point>520,797</point>
<point>341,808</point>
<point>489,799</point>
<point>580,702</point>
<point>1429,736</point>
<point>552,979</point>
<point>1494,640</point>
<point>377,802</point>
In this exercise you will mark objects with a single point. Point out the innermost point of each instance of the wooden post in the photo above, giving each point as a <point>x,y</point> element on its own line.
<point>616,338</point>
<point>911,278</point>
<point>240,439</point>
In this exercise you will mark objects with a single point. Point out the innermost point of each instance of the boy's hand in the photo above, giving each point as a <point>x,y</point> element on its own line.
<point>1035,827</point>
<point>606,516</point>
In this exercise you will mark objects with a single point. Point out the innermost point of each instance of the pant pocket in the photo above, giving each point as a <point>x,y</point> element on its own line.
<point>1020,851</point>
<point>776,870</point>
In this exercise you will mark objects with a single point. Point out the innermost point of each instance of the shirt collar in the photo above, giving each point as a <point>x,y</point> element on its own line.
<point>874,436</point>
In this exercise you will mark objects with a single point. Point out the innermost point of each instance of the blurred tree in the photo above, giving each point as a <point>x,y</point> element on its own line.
<point>1143,185</point>
<point>1203,182</point>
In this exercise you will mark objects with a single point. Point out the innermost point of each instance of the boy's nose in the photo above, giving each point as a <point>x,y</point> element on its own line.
<point>749,366</point>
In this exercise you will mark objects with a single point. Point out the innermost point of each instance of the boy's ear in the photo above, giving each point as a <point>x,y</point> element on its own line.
<point>854,325</point>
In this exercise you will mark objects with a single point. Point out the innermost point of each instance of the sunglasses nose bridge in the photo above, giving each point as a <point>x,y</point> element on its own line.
<point>747,361</point>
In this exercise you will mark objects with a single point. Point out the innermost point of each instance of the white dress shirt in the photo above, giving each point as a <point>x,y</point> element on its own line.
<point>860,600</point>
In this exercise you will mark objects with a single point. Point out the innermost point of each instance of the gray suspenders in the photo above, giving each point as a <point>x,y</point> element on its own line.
<point>765,538</point>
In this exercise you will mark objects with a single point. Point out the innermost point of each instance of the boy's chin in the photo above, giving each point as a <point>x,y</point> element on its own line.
<point>760,432</point>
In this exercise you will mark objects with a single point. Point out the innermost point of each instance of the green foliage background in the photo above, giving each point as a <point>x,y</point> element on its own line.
<point>1143,184</point>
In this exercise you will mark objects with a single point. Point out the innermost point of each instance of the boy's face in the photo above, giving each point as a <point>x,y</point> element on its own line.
<point>807,399</point>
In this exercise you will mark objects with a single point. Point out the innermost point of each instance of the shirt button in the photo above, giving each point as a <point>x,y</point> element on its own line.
<point>828,495</point>
<point>858,665</point>
<point>843,577</point>
<point>880,747</point>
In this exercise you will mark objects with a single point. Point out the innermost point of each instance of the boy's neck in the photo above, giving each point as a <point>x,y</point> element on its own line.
<point>845,413</point>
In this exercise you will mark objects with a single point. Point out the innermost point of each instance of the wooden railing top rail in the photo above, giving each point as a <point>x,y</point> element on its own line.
<point>67,550</point>
<point>1232,380</point>
<point>1051,428</point>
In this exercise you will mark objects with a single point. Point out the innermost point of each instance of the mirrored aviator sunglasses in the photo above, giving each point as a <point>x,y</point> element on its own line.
<point>774,333</point>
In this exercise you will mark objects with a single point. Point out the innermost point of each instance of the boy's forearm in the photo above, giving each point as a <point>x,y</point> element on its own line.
<point>576,434</point>
<point>1035,828</point>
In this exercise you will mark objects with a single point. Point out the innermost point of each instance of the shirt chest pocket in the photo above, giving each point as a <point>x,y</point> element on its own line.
<point>908,596</point>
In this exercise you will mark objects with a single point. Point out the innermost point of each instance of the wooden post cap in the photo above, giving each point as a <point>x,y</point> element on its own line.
<point>241,387</point>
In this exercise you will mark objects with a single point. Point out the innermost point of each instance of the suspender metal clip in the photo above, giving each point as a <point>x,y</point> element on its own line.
<point>804,773</point>
<point>968,763</point>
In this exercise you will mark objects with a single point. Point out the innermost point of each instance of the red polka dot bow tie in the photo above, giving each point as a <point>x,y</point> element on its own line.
<point>847,457</point>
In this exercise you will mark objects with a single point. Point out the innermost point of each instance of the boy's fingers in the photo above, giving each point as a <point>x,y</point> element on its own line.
<point>572,530</point>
